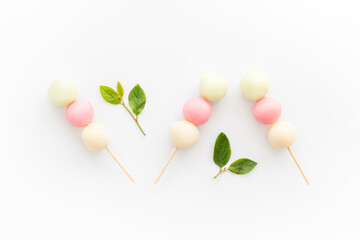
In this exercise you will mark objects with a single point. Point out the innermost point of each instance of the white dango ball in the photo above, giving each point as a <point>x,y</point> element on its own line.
<point>282,134</point>
<point>95,137</point>
<point>254,85</point>
<point>213,87</point>
<point>62,92</point>
<point>184,134</point>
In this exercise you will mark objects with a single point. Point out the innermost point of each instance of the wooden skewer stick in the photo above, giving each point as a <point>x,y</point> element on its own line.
<point>166,164</point>
<point>298,165</point>
<point>118,162</point>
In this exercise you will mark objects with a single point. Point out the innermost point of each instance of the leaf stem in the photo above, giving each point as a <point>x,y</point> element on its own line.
<point>220,171</point>
<point>135,118</point>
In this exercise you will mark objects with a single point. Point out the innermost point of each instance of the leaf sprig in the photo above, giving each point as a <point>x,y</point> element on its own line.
<point>136,98</point>
<point>222,154</point>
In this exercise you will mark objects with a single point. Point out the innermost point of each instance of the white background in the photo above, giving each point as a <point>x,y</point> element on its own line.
<point>51,187</point>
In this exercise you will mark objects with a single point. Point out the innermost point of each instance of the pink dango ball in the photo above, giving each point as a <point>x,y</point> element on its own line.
<point>197,110</point>
<point>267,110</point>
<point>80,113</point>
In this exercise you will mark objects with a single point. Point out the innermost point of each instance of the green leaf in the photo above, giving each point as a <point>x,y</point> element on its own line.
<point>242,166</point>
<point>109,95</point>
<point>137,99</point>
<point>222,150</point>
<point>120,89</point>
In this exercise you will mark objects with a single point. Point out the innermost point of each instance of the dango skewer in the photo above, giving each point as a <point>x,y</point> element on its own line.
<point>80,113</point>
<point>197,110</point>
<point>282,134</point>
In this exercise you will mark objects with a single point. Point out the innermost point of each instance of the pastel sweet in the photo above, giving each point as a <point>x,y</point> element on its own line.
<point>95,137</point>
<point>184,134</point>
<point>197,110</point>
<point>282,134</point>
<point>254,85</point>
<point>213,87</point>
<point>267,110</point>
<point>80,113</point>
<point>62,92</point>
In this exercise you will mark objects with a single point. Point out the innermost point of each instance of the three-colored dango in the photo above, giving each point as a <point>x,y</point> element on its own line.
<point>196,111</point>
<point>281,134</point>
<point>80,113</point>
